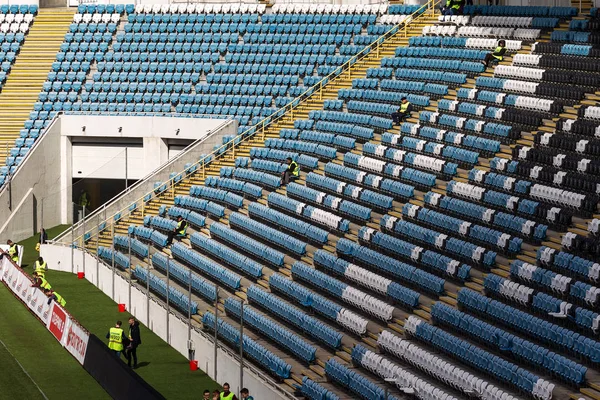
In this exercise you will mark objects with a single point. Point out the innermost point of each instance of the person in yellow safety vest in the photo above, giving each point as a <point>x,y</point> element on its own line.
<point>52,295</point>
<point>13,251</point>
<point>403,111</point>
<point>453,7</point>
<point>116,339</point>
<point>83,199</point>
<point>179,231</point>
<point>226,394</point>
<point>40,267</point>
<point>498,53</point>
<point>292,172</point>
<point>41,282</point>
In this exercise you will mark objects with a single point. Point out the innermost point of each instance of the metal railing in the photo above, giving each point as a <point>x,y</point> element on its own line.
<point>259,130</point>
<point>259,373</point>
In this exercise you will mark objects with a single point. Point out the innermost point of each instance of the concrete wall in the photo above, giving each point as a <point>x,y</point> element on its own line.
<point>37,181</point>
<point>151,311</point>
<point>135,193</point>
<point>45,176</point>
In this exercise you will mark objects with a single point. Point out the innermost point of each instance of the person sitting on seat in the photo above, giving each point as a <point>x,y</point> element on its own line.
<point>498,54</point>
<point>403,111</point>
<point>453,7</point>
<point>292,172</point>
<point>179,231</point>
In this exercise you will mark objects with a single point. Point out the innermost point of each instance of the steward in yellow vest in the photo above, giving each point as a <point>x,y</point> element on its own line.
<point>498,53</point>
<point>115,338</point>
<point>40,267</point>
<point>226,394</point>
<point>13,251</point>
<point>403,111</point>
<point>292,172</point>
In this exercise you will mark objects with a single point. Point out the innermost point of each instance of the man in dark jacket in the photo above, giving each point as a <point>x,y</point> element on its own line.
<point>134,341</point>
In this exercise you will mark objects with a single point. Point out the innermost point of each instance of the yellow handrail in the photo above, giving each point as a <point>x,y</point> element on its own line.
<point>428,7</point>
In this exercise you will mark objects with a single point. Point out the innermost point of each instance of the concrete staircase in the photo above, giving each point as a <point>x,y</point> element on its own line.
<point>29,73</point>
<point>330,91</point>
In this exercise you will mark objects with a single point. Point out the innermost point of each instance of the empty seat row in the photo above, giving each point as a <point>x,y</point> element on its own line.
<point>530,11</point>
<point>183,274</point>
<point>500,369</point>
<point>299,319</point>
<point>113,257</point>
<point>547,194</point>
<point>481,214</point>
<point>455,154</point>
<point>200,205</point>
<point>544,173</point>
<point>387,186</point>
<point>435,261</point>
<point>369,304</point>
<point>365,196</point>
<point>206,266</point>
<point>175,296</point>
<point>418,161</point>
<point>493,237</point>
<point>251,246</point>
<point>413,176</point>
<point>383,286</point>
<point>384,368</point>
<point>569,263</point>
<point>525,207</point>
<point>252,176</point>
<point>273,363</point>
<point>338,141</point>
<point>501,131</point>
<point>273,330</point>
<point>397,269</point>
<point>499,339</point>
<point>319,304</point>
<point>435,366</point>
<point>355,382</point>
<point>535,327</point>
<point>480,144</point>
<point>548,90</point>
<point>300,146</point>
<point>558,159</point>
<point>322,217</point>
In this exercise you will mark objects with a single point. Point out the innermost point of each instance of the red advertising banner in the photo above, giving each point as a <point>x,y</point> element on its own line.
<point>57,323</point>
<point>67,331</point>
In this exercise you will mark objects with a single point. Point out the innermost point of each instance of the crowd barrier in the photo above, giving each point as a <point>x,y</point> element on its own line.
<point>91,352</point>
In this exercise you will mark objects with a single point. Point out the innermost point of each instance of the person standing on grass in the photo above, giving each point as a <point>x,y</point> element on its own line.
<point>116,338</point>
<point>206,394</point>
<point>134,341</point>
<point>40,267</point>
<point>226,394</point>
<point>216,395</point>
<point>245,393</point>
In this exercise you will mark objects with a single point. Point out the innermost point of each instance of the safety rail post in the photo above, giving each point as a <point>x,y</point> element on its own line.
<point>72,248</point>
<point>112,230</point>
<point>129,256</point>
<point>216,330</point>
<point>97,246</point>
<point>168,300</point>
<point>148,288</point>
<point>83,240</point>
